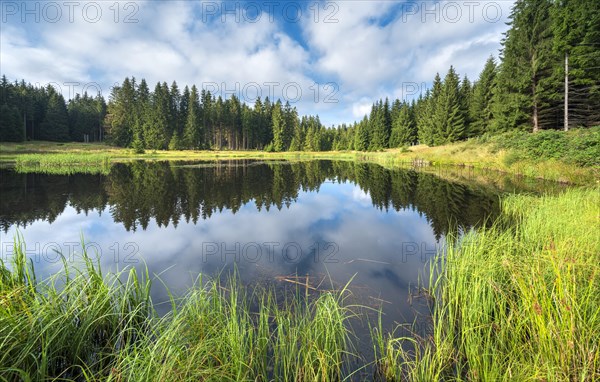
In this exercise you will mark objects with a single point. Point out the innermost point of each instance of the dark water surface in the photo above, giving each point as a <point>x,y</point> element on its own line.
<point>279,223</point>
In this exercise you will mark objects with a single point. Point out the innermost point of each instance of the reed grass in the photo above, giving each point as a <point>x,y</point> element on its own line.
<point>83,325</point>
<point>69,325</point>
<point>64,163</point>
<point>519,301</point>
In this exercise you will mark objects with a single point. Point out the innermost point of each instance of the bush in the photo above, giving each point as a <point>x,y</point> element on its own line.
<point>578,146</point>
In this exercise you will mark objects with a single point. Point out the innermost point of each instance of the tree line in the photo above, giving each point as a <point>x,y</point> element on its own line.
<point>550,55</point>
<point>41,113</point>
<point>168,118</point>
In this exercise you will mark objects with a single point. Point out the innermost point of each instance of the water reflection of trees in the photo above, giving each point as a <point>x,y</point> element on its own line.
<point>171,192</point>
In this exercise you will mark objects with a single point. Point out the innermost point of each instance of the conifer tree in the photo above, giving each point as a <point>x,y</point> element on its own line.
<point>523,78</point>
<point>192,136</point>
<point>361,137</point>
<point>56,122</point>
<point>404,130</point>
<point>448,117</point>
<point>481,103</point>
<point>279,128</point>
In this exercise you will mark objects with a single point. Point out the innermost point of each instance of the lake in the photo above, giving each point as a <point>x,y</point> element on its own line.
<point>312,225</point>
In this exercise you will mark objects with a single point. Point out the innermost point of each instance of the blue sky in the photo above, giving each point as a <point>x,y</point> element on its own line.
<point>328,58</point>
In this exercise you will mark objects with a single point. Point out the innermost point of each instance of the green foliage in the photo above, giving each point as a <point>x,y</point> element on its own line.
<point>279,128</point>
<point>11,126</point>
<point>63,163</point>
<point>192,138</point>
<point>449,120</point>
<point>270,148</point>
<point>137,145</point>
<point>175,143</point>
<point>481,104</point>
<point>578,146</point>
<point>379,127</point>
<point>362,136</point>
<point>404,129</point>
<point>56,122</point>
<point>427,122</point>
<point>86,116</point>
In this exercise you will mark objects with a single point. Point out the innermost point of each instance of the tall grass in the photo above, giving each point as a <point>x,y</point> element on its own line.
<point>516,302</point>
<point>83,325</point>
<point>70,325</point>
<point>215,336</point>
<point>64,163</point>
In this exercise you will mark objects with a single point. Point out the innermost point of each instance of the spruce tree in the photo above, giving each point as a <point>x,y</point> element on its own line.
<point>404,131</point>
<point>576,39</point>
<point>56,122</point>
<point>156,128</point>
<point>121,118</point>
<point>361,137</point>
<point>378,126</point>
<point>448,117</point>
<point>279,128</point>
<point>527,57</point>
<point>297,143</point>
<point>426,123</point>
<point>11,126</point>
<point>192,135</point>
<point>481,103</point>
<point>465,94</point>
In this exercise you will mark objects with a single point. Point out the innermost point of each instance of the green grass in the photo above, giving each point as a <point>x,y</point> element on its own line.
<point>516,302</point>
<point>83,325</point>
<point>64,163</point>
<point>69,325</point>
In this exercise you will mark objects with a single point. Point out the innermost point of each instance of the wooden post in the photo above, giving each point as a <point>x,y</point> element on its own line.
<point>566,92</point>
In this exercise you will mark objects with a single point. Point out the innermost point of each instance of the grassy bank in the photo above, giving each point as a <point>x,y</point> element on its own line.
<point>570,157</point>
<point>84,325</point>
<point>516,302</point>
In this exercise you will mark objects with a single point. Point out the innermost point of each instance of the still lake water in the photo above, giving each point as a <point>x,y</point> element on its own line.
<point>276,222</point>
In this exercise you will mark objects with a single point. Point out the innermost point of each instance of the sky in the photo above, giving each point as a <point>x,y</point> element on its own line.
<point>331,58</point>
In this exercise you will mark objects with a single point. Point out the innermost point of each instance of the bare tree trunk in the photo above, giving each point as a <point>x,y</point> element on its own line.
<point>566,127</point>
<point>536,126</point>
